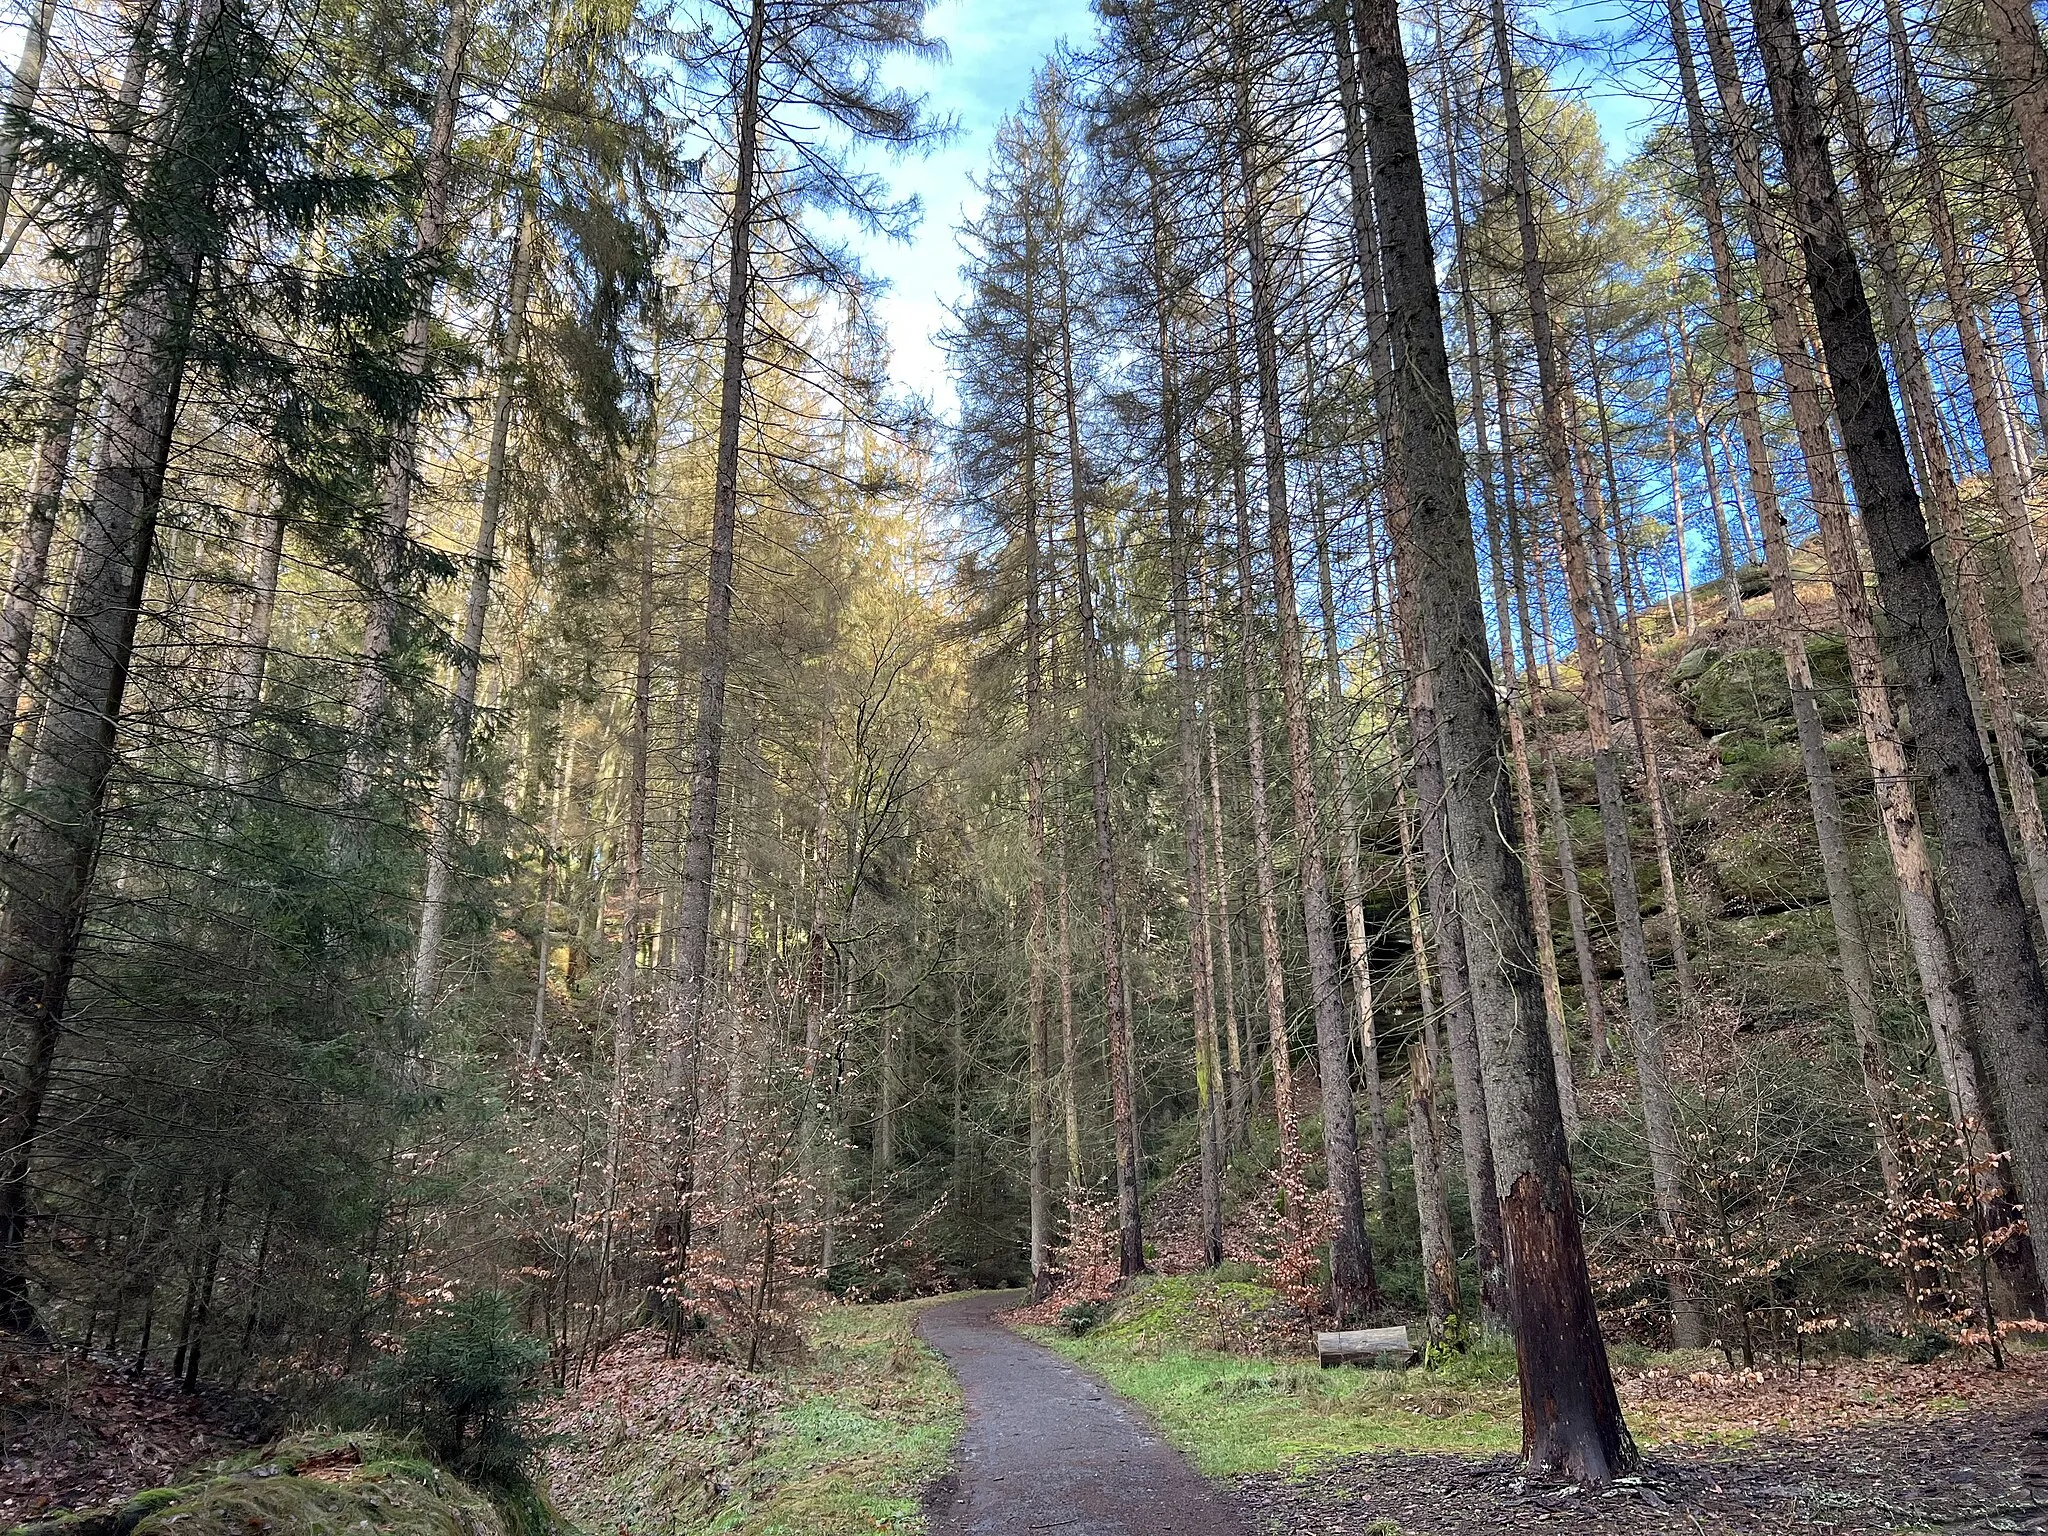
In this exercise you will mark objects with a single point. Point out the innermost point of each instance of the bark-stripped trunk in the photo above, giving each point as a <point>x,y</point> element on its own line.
<point>447,803</point>
<point>1996,938</point>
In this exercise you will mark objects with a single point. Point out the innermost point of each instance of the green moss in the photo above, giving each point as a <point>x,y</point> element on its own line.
<point>387,1492</point>
<point>1765,868</point>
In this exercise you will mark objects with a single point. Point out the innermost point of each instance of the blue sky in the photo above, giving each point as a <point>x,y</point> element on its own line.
<point>996,46</point>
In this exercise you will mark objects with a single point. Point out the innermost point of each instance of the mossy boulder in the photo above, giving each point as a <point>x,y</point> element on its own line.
<point>1752,580</point>
<point>1765,868</point>
<point>1744,692</point>
<point>1694,664</point>
<point>310,1485</point>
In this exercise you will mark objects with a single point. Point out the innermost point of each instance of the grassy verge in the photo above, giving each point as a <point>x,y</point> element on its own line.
<point>1234,1412</point>
<point>843,1441</point>
<point>872,1420</point>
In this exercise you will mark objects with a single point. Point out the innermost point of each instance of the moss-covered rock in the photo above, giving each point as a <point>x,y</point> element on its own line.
<point>1765,868</point>
<point>311,1485</point>
<point>1744,691</point>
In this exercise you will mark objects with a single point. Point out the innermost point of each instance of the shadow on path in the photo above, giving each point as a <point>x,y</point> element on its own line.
<point>1050,1449</point>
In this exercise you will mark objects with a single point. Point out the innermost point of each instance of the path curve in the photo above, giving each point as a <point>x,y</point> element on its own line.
<point>1050,1449</point>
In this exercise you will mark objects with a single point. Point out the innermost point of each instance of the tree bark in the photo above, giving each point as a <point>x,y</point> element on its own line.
<point>1996,938</point>
<point>56,830</point>
<point>693,911</point>
<point>1652,1070</point>
<point>1353,1284</point>
<point>1571,1417</point>
<point>401,455</point>
<point>447,803</point>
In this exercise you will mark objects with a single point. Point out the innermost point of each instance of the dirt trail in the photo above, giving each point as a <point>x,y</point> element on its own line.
<point>1048,1448</point>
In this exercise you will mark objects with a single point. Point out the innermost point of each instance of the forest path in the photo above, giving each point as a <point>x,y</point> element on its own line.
<point>1049,1448</point>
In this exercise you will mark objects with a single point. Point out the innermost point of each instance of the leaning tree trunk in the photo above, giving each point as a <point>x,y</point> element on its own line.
<point>1571,1416</point>
<point>1996,938</point>
<point>70,362</point>
<point>1934,957</point>
<point>1852,948</point>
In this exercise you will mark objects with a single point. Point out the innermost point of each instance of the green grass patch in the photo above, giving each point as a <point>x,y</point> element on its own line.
<point>844,1439</point>
<point>1168,1347</point>
<point>872,1422</point>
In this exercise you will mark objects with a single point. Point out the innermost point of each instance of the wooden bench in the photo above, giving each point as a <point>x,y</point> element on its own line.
<point>1366,1346</point>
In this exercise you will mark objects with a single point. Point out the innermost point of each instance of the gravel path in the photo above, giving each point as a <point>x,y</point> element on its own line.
<point>1050,1449</point>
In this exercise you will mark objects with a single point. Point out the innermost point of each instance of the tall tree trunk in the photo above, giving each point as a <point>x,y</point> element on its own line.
<point>1851,946</point>
<point>1095,714</point>
<point>1553,792</point>
<point>1996,938</point>
<point>1209,1100</point>
<point>56,830</point>
<point>1354,1286</point>
<point>1038,1041</point>
<point>388,541</point>
<point>1571,1417</point>
<point>693,914</point>
<point>242,687</point>
<point>1070,1059</point>
<point>1439,1252</point>
<point>551,856</point>
<point>50,464</point>
<point>1934,955</point>
<point>1652,1070</point>
<point>625,1021</point>
<point>1238,1114</point>
<point>1271,960</point>
<point>21,101</point>
<point>2022,88</point>
<point>447,803</point>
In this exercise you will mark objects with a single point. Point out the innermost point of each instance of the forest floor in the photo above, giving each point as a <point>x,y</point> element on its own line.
<point>1844,1446</point>
<point>77,1430</point>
